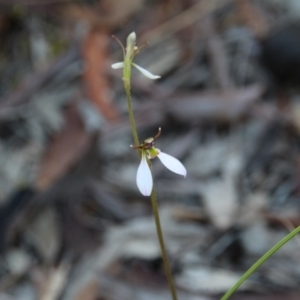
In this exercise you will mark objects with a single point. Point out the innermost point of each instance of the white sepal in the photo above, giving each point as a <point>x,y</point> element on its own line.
<point>118,65</point>
<point>172,163</point>
<point>131,39</point>
<point>144,179</point>
<point>145,72</point>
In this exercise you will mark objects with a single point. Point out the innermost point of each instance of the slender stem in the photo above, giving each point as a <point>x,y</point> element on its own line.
<point>162,245</point>
<point>131,116</point>
<point>127,86</point>
<point>260,262</point>
<point>126,79</point>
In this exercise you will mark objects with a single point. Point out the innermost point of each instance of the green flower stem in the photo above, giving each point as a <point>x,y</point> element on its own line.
<point>127,86</point>
<point>126,79</point>
<point>162,245</point>
<point>131,117</point>
<point>260,262</point>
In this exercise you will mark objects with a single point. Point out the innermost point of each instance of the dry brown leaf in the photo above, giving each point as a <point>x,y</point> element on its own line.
<point>88,291</point>
<point>229,105</point>
<point>121,10</point>
<point>65,149</point>
<point>218,56</point>
<point>220,195</point>
<point>294,112</point>
<point>266,237</point>
<point>185,213</point>
<point>104,14</point>
<point>55,282</point>
<point>189,16</point>
<point>95,55</point>
<point>251,210</point>
<point>84,283</point>
<point>253,17</point>
<point>208,280</point>
<point>137,238</point>
<point>44,233</point>
<point>221,202</point>
<point>112,288</point>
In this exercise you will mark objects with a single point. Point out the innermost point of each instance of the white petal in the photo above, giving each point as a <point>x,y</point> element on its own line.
<point>145,72</point>
<point>172,163</point>
<point>118,65</point>
<point>144,177</point>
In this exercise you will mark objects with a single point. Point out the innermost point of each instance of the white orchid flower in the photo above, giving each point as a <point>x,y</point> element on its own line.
<point>144,179</point>
<point>129,54</point>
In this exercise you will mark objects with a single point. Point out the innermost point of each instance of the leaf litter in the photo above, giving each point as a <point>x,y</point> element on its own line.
<point>73,223</point>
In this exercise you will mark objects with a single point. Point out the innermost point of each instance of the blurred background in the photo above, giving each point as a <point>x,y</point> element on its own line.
<point>73,224</point>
